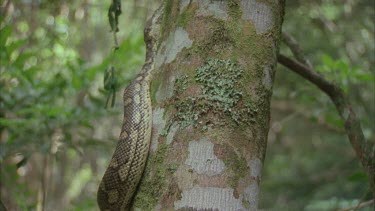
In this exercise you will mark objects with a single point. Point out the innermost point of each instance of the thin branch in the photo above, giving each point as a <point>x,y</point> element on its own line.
<point>364,150</point>
<point>295,48</point>
<point>2,206</point>
<point>359,206</point>
<point>44,183</point>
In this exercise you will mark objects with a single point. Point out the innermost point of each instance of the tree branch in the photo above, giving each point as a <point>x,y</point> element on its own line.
<point>363,149</point>
<point>295,48</point>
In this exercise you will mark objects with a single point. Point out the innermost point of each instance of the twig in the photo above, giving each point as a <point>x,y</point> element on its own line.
<point>2,206</point>
<point>361,205</point>
<point>44,183</point>
<point>295,48</point>
<point>364,150</point>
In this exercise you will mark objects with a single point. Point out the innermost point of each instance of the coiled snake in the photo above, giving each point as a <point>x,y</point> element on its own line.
<point>125,170</point>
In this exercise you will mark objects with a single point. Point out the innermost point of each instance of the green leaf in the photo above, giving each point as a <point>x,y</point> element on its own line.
<point>12,122</point>
<point>77,81</point>
<point>5,34</point>
<point>327,60</point>
<point>365,77</point>
<point>22,58</point>
<point>15,45</point>
<point>343,67</point>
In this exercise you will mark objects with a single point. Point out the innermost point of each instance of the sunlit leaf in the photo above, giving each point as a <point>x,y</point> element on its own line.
<point>15,45</point>
<point>365,77</point>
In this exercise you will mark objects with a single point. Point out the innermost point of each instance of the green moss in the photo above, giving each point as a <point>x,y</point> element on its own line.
<point>152,187</point>
<point>220,39</point>
<point>186,15</point>
<point>155,84</point>
<point>246,203</point>
<point>239,166</point>
<point>234,9</point>
<point>168,22</point>
<point>167,15</point>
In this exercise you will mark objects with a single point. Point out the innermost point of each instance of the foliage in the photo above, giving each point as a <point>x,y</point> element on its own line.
<point>52,102</point>
<point>341,72</point>
<point>309,164</point>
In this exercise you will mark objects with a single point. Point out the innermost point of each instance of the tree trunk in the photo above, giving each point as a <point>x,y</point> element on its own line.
<point>214,63</point>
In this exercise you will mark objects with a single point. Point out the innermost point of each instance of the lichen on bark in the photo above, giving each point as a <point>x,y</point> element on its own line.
<point>219,95</point>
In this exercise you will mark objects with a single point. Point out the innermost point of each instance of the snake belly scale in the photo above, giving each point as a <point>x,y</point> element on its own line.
<point>126,167</point>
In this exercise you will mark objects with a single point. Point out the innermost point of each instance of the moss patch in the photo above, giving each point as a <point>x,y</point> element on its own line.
<point>187,14</point>
<point>155,84</point>
<point>234,9</point>
<point>219,40</point>
<point>233,161</point>
<point>152,187</point>
<point>238,164</point>
<point>167,16</point>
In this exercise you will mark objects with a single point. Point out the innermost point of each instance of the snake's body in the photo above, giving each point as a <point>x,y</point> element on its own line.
<point>126,167</point>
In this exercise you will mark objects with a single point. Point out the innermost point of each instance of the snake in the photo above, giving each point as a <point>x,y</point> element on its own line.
<point>123,174</point>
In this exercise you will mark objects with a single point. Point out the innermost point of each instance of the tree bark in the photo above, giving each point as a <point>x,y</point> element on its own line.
<point>211,87</point>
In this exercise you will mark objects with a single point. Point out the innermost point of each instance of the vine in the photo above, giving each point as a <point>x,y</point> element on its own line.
<point>110,79</point>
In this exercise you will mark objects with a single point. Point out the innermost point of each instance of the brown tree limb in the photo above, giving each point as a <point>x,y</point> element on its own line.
<point>363,149</point>
<point>295,48</point>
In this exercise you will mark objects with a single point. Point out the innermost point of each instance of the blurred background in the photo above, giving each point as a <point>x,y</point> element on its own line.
<point>56,137</point>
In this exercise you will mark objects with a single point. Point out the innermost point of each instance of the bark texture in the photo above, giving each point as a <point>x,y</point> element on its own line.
<point>211,90</point>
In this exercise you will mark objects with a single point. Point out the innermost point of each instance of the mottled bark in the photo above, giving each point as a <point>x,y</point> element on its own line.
<point>211,90</point>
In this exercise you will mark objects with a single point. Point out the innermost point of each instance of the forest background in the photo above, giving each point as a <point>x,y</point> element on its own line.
<point>56,136</point>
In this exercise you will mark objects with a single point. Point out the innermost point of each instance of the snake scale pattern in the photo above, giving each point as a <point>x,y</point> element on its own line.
<point>126,167</point>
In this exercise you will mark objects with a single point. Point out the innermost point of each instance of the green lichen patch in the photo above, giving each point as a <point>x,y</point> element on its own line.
<point>181,84</point>
<point>189,111</point>
<point>218,79</point>
<point>219,94</point>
